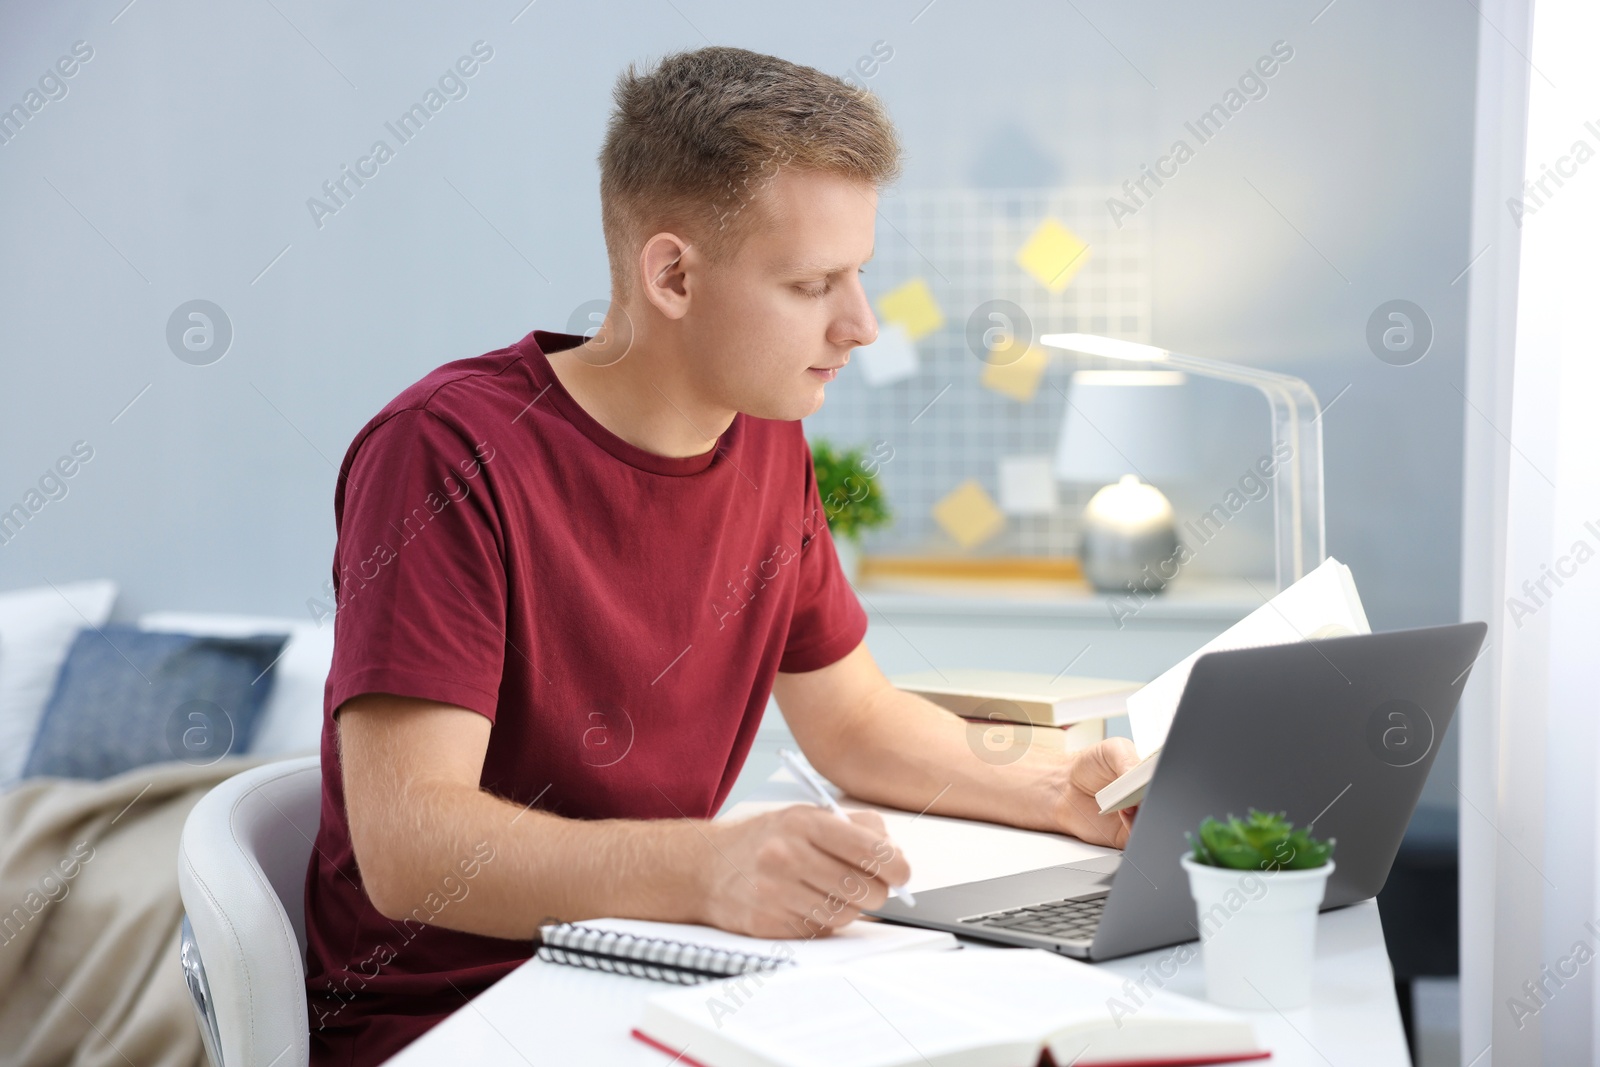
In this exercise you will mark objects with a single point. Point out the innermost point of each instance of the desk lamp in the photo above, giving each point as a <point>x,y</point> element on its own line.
<point>1129,428</point>
<point>1299,539</point>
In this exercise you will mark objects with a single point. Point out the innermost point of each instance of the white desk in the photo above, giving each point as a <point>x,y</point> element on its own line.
<point>544,1013</point>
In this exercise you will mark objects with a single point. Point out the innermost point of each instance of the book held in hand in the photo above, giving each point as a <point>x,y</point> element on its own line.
<point>977,1008</point>
<point>1128,790</point>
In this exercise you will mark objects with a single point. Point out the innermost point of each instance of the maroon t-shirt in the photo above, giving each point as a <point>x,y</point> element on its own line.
<point>618,615</point>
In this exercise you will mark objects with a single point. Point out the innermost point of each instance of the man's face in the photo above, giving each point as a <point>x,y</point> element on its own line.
<point>770,326</point>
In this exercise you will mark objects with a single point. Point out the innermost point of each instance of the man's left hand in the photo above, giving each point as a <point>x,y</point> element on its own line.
<point>1088,771</point>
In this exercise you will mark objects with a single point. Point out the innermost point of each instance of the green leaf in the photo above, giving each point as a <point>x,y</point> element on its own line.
<point>851,497</point>
<point>1259,841</point>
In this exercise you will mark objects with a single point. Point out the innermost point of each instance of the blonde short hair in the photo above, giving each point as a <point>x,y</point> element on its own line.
<point>693,142</point>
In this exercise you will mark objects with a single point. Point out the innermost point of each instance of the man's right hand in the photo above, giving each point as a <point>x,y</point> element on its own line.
<point>412,770</point>
<point>798,872</point>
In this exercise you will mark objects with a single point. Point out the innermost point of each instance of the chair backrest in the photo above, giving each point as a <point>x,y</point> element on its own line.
<point>241,871</point>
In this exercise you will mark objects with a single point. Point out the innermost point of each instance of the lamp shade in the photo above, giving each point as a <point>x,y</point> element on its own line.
<point>1298,529</point>
<point>1121,422</point>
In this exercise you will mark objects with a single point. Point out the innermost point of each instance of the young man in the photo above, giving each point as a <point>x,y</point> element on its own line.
<point>570,572</point>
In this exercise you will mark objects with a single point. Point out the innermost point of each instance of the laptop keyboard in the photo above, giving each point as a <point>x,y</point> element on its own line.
<point>1065,920</point>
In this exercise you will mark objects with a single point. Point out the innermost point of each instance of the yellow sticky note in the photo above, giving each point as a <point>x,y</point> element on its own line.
<point>913,308</point>
<point>1053,255</point>
<point>968,514</point>
<point>1017,376</point>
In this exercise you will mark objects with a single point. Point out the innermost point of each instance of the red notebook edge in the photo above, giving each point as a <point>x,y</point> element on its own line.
<point>1186,1061</point>
<point>682,1056</point>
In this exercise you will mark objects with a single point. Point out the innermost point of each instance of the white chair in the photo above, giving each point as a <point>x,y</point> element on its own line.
<point>242,873</point>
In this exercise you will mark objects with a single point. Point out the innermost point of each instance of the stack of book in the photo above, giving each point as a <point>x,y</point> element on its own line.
<point>1066,713</point>
<point>1063,712</point>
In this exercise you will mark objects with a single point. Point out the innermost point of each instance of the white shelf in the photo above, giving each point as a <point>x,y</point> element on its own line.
<point>1188,600</point>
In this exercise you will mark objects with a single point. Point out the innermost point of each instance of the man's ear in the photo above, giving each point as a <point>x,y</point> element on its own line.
<point>665,263</point>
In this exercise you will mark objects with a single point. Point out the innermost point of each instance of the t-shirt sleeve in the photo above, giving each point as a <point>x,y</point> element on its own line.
<point>421,579</point>
<point>828,620</point>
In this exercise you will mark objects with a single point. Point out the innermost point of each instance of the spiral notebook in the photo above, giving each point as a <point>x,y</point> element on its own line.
<point>688,954</point>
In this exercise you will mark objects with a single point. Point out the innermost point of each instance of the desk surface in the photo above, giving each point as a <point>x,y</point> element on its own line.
<point>547,1013</point>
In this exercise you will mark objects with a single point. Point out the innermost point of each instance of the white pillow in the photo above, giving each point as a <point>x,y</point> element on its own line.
<point>37,628</point>
<point>291,721</point>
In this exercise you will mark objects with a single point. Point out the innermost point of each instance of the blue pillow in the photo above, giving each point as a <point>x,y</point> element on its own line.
<point>127,697</point>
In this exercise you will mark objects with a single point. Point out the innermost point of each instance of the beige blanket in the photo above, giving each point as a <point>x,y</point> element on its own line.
<point>89,918</point>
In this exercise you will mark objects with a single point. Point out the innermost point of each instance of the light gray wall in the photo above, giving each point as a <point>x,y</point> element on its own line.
<point>179,163</point>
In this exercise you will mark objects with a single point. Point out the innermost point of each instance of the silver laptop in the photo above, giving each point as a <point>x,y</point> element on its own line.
<point>1338,733</point>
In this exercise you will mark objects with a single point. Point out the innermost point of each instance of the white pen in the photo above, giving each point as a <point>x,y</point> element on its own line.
<point>822,798</point>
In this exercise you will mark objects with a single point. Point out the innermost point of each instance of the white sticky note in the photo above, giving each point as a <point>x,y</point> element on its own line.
<point>1027,485</point>
<point>891,358</point>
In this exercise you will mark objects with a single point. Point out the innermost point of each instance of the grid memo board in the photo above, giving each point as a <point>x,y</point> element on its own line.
<point>963,243</point>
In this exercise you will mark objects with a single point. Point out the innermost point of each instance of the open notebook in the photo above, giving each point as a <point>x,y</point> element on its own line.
<point>689,954</point>
<point>979,1008</point>
<point>1322,604</point>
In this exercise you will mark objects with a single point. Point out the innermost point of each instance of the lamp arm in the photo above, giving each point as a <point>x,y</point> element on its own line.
<point>1300,537</point>
<point>1299,530</point>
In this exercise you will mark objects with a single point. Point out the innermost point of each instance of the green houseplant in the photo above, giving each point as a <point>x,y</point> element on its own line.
<point>1259,842</point>
<point>852,499</point>
<point>1257,884</point>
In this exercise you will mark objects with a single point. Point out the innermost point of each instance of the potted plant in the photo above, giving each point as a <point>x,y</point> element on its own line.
<point>1257,884</point>
<point>851,499</point>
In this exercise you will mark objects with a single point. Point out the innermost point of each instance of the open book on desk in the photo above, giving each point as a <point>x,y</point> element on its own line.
<point>978,1008</point>
<point>1322,604</point>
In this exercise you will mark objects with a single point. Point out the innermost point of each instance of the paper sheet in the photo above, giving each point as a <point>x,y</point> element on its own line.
<point>1325,597</point>
<point>952,851</point>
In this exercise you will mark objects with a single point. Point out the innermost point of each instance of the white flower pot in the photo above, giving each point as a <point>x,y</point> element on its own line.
<point>1258,932</point>
<point>849,552</point>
